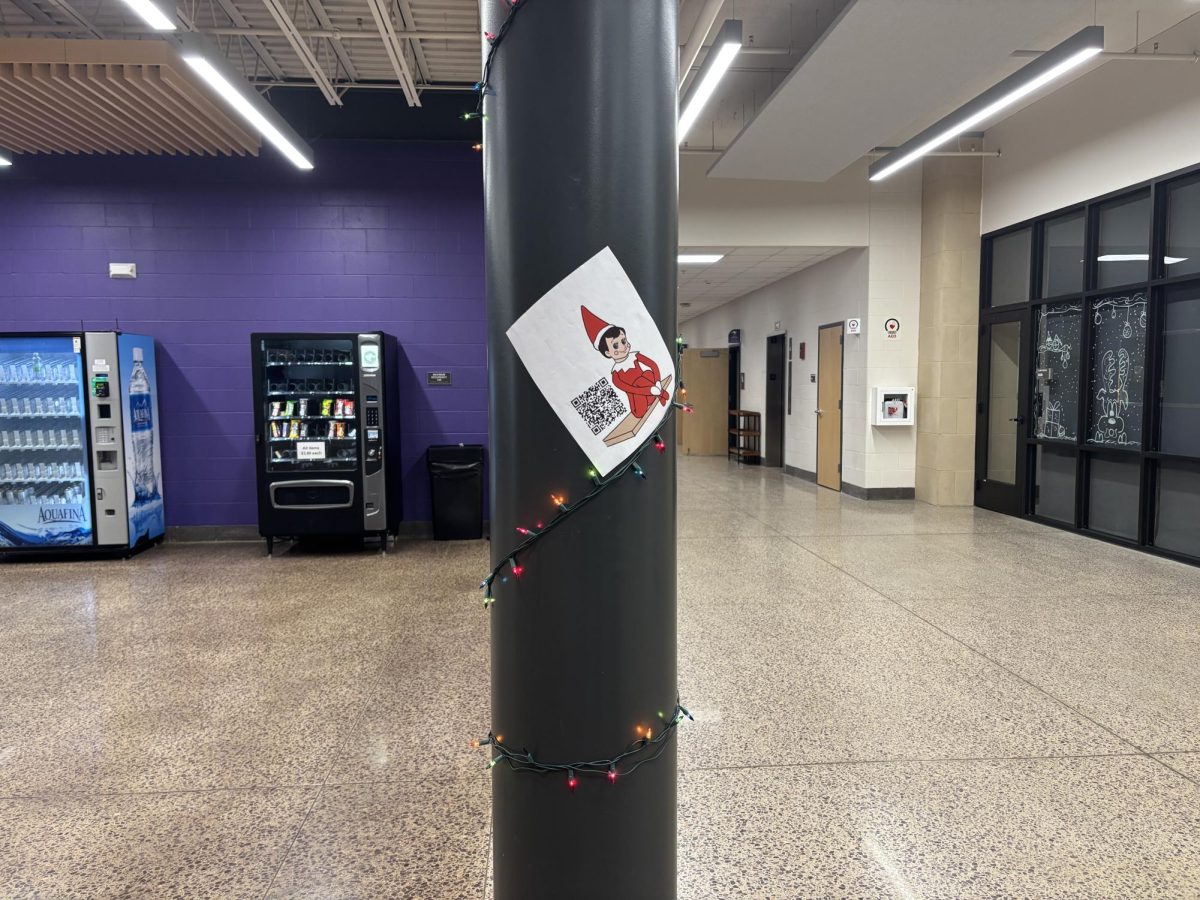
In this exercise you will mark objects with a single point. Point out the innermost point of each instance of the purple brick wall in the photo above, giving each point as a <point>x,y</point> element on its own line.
<point>379,237</point>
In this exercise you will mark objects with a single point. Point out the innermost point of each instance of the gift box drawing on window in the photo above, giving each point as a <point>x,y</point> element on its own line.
<point>597,356</point>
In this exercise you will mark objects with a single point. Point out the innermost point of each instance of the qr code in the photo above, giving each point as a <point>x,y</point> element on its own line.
<point>599,406</point>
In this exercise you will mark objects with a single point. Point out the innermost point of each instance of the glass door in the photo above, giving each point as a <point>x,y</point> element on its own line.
<point>310,404</point>
<point>1001,429</point>
<point>44,495</point>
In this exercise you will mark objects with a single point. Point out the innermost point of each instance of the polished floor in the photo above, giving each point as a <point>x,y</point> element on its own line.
<point>892,700</point>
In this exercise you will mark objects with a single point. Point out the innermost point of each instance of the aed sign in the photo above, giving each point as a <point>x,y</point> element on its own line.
<point>854,326</point>
<point>892,328</point>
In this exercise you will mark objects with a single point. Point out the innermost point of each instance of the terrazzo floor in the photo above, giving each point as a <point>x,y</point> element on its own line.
<point>963,705</point>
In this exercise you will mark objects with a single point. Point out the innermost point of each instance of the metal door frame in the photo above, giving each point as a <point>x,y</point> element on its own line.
<point>994,495</point>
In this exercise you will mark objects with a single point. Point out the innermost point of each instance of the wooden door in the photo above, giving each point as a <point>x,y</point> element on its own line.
<point>829,406</point>
<point>705,431</point>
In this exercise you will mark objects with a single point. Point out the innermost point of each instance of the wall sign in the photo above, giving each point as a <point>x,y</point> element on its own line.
<point>735,336</point>
<point>310,450</point>
<point>892,328</point>
<point>439,378</point>
<point>599,359</point>
<point>854,326</point>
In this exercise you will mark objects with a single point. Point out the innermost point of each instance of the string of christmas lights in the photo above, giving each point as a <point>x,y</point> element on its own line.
<point>483,87</point>
<point>511,560</point>
<point>648,746</point>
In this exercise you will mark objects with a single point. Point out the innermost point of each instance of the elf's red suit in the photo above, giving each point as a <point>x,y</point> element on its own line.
<point>636,375</point>
<point>639,378</point>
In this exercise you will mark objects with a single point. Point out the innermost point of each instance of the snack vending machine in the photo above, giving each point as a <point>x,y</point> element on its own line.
<point>80,459</point>
<point>326,436</point>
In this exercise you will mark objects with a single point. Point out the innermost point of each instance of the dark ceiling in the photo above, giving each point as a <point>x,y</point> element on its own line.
<point>378,115</point>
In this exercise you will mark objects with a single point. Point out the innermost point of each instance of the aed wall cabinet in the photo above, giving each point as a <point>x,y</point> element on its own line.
<point>893,406</point>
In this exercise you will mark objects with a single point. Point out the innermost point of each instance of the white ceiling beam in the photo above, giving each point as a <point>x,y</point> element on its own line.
<point>407,19</point>
<point>69,12</point>
<point>339,51</point>
<point>395,50</point>
<point>308,59</point>
<point>331,33</point>
<point>260,49</point>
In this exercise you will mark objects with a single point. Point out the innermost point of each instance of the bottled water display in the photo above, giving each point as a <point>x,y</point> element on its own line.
<point>141,425</point>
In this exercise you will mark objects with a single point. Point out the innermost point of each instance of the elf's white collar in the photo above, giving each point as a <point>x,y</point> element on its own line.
<point>630,362</point>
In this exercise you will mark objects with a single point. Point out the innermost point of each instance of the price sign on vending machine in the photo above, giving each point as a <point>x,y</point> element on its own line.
<point>310,450</point>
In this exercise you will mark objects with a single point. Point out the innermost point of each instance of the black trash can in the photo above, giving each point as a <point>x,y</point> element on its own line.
<point>456,489</point>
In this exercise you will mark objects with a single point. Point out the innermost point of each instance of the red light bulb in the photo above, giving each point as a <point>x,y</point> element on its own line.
<point>572,781</point>
<point>518,570</point>
<point>612,776</point>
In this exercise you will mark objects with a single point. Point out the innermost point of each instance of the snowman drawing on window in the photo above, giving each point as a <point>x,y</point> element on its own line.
<point>1112,399</point>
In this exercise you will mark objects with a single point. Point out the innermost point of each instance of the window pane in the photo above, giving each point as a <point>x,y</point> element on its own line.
<point>1118,370</point>
<point>1010,268</point>
<point>1054,494</point>
<point>1063,264</point>
<point>1181,378</point>
<point>311,387</point>
<point>1124,256</point>
<point>1183,230</point>
<point>1002,402</point>
<point>1113,498</point>
<point>1056,391</point>
<point>1177,527</point>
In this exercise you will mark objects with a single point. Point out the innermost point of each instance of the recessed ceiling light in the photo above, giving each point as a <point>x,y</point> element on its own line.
<point>699,259</point>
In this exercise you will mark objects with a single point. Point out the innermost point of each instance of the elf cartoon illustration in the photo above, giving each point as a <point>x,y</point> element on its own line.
<point>632,372</point>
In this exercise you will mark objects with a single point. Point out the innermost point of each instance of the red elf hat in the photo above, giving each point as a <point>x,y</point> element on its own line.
<point>594,326</point>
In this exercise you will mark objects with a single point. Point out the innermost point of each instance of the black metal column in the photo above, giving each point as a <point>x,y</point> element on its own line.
<point>579,154</point>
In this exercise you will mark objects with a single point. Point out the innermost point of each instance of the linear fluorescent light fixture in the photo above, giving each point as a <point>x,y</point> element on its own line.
<point>716,63</point>
<point>1070,54</point>
<point>699,259</point>
<point>1138,257</point>
<point>5,158</point>
<point>152,15</point>
<point>199,53</point>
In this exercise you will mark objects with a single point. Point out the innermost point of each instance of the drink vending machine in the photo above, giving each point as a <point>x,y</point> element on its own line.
<point>327,435</point>
<point>80,459</point>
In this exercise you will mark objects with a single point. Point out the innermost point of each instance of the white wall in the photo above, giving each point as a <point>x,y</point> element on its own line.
<point>889,454</point>
<point>873,284</point>
<point>830,291</point>
<point>1121,124</point>
<point>718,212</point>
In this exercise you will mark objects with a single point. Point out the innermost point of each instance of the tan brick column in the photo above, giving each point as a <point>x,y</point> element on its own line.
<point>949,338</point>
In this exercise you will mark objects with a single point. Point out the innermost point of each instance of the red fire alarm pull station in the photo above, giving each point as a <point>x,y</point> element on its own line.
<point>802,349</point>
